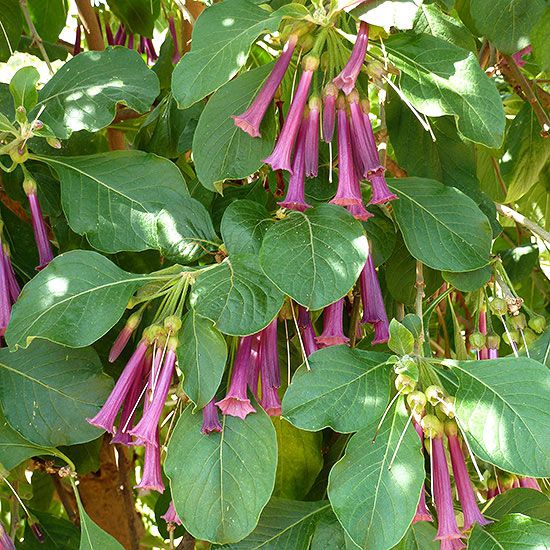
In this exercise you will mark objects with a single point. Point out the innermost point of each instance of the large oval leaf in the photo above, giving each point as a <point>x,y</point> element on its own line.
<point>528,502</point>
<point>346,390</point>
<point>237,296</point>
<point>376,505</point>
<point>74,301</point>
<point>315,256</point>
<point>442,227</point>
<point>47,391</point>
<point>504,406</point>
<point>84,92</point>
<point>221,482</point>
<point>108,198</point>
<point>202,354</point>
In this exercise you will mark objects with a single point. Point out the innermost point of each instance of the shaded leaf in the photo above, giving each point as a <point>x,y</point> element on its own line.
<point>138,16</point>
<point>49,17</point>
<point>523,501</point>
<point>468,281</point>
<point>23,88</point>
<point>12,23</point>
<point>539,40</point>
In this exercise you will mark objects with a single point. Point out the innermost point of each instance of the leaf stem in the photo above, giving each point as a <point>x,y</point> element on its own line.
<point>522,220</point>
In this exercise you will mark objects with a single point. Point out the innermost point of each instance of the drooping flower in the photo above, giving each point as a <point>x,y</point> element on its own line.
<point>359,212</point>
<point>171,516</point>
<point>329,111</point>
<point>270,401</point>
<point>251,119</point>
<point>270,369</point>
<point>5,301</point>
<point>141,45</point>
<point>210,420</point>
<point>146,430</point>
<point>483,352</point>
<point>518,56</point>
<point>380,191</point>
<point>77,48</point>
<point>349,191</point>
<point>463,484</point>
<point>374,311</point>
<point>151,476</point>
<point>120,36</point>
<point>254,364</point>
<point>176,56</point>
<point>6,543</point>
<point>307,332</point>
<point>529,483</point>
<point>333,325</point>
<point>45,253</point>
<point>150,51</point>
<point>451,544</point>
<point>422,512</point>
<point>109,34</point>
<point>280,157</point>
<point>130,45</point>
<point>295,198</point>
<point>345,81</point>
<point>312,137</point>
<point>13,285</point>
<point>236,402</point>
<point>124,336</point>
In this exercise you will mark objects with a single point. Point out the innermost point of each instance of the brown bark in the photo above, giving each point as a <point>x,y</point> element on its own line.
<point>194,9</point>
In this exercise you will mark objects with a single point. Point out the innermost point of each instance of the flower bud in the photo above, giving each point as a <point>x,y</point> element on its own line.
<point>529,336</point>
<point>447,406</point>
<point>21,114</point>
<point>310,63</point>
<point>19,154</point>
<point>537,323</point>
<point>493,341</point>
<point>152,332</point>
<point>477,340</point>
<point>416,401</point>
<point>518,321</point>
<point>506,481</point>
<point>434,394</point>
<point>37,125</point>
<point>53,142</point>
<point>451,428</point>
<point>405,384</point>
<point>432,426</point>
<point>498,306</point>
<point>172,324</point>
<point>29,184</point>
<point>514,334</point>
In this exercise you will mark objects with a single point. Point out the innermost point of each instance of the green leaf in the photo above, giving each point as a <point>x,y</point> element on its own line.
<point>504,405</point>
<point>382,236</point>
<point>84,92</point>
<point>74,301</point>
<point>539,41</point>
<point>523,501</point>
<point>388,13</point>
<point>59,533</point>
<point>221,482</point>
<point>374,504</point>
<point>23,88</point>
<point>108,198</point>
<point>469,281</point>
<point>47,391</point>
<point>440,78</point>
<point>138,15</point>
<point>92,536</point>
<point>221,41</point>
<point>49,17</point>
<point>540,349</point>
<point>507,23</point>
<point>284,524</point>
<point>315,256</point>
<point>512,531</point>
<point>12,26</point>
<point>202,354</point>
<point>442,227</point>
<point>420,536</point>
<point>527,154</point>
<point>346,389</point>
<point>237,296</point>
<point>221,150</point>
<point>401,339</point>
<point>14,448</point>
<point>244,225</point>
<point>299,460</point>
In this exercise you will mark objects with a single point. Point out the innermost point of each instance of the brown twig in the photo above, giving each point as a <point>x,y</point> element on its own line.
<point>35,37</point>
<point>522,220</point>
<point>65,500</point>
<point>498,175</point>
<point>123,476</point>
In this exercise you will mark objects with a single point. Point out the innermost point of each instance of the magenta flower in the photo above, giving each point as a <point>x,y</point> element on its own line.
<point>171,516</point>
<point>443,497</point>
<point>105,418</point>
<point>251,119</point>
<point>254,364</point>
<point>146,430</point>
<point>466,495</point>
<point>77,48</point>
<point>124,336</point>
<point>374,311</point>
<point>5,302</point>
<point>210,420</point>
<point>176,56</point>
<point>269,356</point>
<point>451,544</point>
<point>333,325</point>
<point>38,225</point>
<point>270,401</point>
<point>483,353</point>
<point>365,157</point>
<point>236,402</point>
<point>307,331</point>
<point>422,512</point>
<point>120,36</point>
<point>141,45</point>
<point>312,138</point>
<point>13,285</point>
<point>151,477</point>
<point>329,111</point>
<point>6,543</point>
<point>380,190</point>
<point>348,191</point>
<point>345,81</point>
<point>109,35</point>
<point>359,212</point>
<point>280,157</point>
<point>295,196</point>
<point>130,45</point>
<point>150,51</point>
<point>529,483</point>
<point>518,56</point>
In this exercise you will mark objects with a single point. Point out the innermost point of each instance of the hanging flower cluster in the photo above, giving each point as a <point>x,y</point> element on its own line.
<point>9,287</point>
<point>297,148</point>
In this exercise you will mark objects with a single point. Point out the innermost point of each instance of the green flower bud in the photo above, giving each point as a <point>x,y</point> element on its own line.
<point>405,384</point>
<point>493,341</point>
<point>416,401</point>
<point>447,407</point>
<point>53,142</point>
<point>477,340</point>
<point>451,428</point>
<point>515,337</point>
<point>518,321</point>
<point>530,336</point>
<point>537,323</point>
<point>498,306</point>
<point>172,323</point>
<point>434,394</point>
<point>19,154</point>
<point>432,426</point>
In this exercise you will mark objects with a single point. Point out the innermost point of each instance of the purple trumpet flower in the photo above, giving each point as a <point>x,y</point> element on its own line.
<point>374,311</point>
<point>307,331</point>
<point>141,45</point>
<point>146,430</point>
<point>295,196</point>
<point>130,42</point>
<point>151,477</point>
<point>466,495</point>
<point>380,190</point>
<point>365,156</point>
<point>6,543</point>
<point>251,119</point>
<point>150,51</point>
<point>518,56</point>
<point>5,302</point>
<point>171,516</point>
<point>109,34</point>
<point>270,401</point>
<point>236,402</point>
<point>349,191</point>
<point>529,483</point>
<point>483,353</point>
<point>451,544</point>
<point>120,36</point>
<point>345,81</point>
<point>45,253</point>
<point>333,325</point>
<point>105,418</point>
<point>312,137</point>
<point>210,420</point>
<point>124,336</point>
<point>422,512</point>
<point>269,356</point>
<point>176,56</point>
<point>443,497</point>
<point>77,48</point>
<point>359,212</point>
<point>280,156</point>
<point>254,363</point>
<point>329,111</point>
<point>13,285</point>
